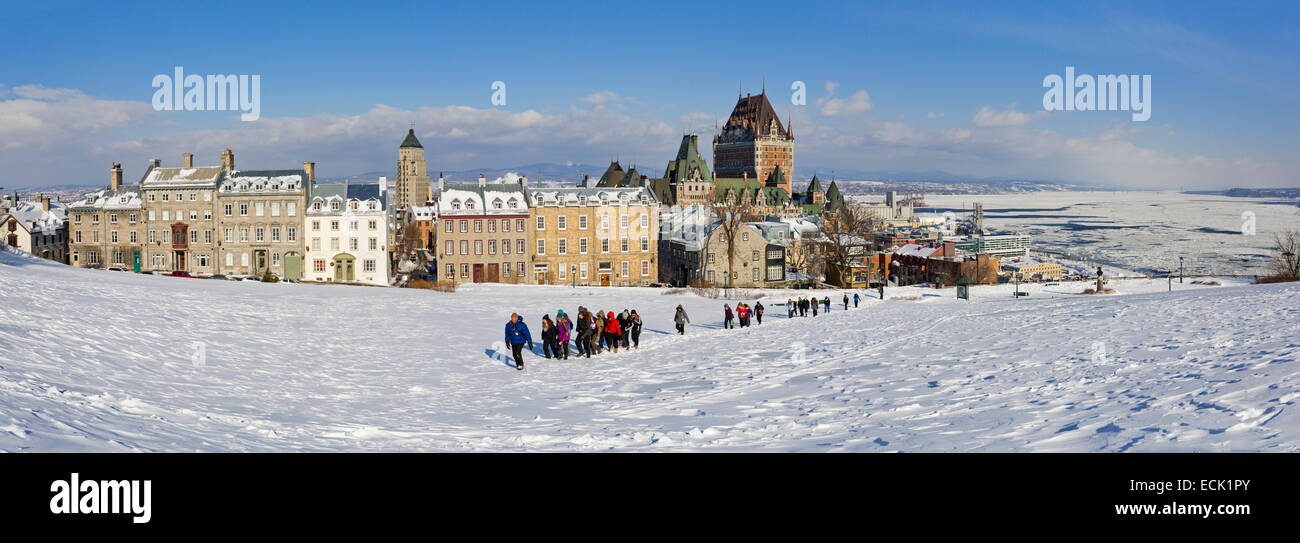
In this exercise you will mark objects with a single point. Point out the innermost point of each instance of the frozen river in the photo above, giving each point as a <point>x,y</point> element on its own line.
<point>1141,231</point>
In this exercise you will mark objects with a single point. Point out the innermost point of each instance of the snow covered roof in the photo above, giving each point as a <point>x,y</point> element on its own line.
<point>349,197</point>
<point>486,199</point>
<point>592,196</point>
<point>181,177</point>
<point>423,213</point>
<point>263,181</point>
<point>917,250</point>
<point>126,198</point>
<point>36,220</point>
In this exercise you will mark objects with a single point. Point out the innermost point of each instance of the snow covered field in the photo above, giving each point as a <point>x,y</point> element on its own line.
<point>105,361</point>
<point>1141,231</point>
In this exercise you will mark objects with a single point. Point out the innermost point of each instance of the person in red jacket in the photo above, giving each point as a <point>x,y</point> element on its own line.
<point>612,331</point>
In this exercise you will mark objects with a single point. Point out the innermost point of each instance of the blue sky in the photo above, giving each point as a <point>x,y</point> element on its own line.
<point>891,86</point>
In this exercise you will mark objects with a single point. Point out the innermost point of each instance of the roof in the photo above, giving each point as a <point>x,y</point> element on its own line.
<point>483,199</point>
<point>263,181</point>
<point>688,162</point>
<point>614,176</point>
<point>181,177</point>
<point>411,140</point>
<point>35,219</point>
<point>755,116</point>
<point>593,195</point>
<point>125,198</point>
<point>917,250</point>
<point>775,195</point>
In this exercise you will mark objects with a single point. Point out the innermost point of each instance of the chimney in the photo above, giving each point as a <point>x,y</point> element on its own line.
<point>311,171</point>
<point>45,203</point>
<point>482,181</point>
<point>155,163</point>
<point>115,177</point>
<point>228,160</point>
<point>187,160</point>
<point>442,183</point>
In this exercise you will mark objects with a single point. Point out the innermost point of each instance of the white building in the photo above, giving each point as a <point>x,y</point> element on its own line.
<point>347,234</point>
<point>40,228</point>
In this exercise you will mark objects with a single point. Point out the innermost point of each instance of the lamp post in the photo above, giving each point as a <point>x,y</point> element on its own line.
<point>1180,270</point>
<point>573,273</point>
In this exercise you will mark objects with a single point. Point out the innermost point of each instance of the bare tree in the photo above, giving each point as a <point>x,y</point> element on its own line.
<point>846,235</point>
<point>411,256</point>
<point>1286,263</point>
<point>733,209</point>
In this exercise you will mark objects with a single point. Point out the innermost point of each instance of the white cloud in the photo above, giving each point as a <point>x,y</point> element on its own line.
<point>933,115</point>
<point>830,87</point>
<point>856,104</point>
<point>988,116</point>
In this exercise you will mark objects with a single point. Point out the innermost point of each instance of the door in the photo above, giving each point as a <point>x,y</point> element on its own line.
<point>343,267</point>
<point>478,273</point>
<point>179,260</point>
<point>259,258</point>
<point>604,279</point>
<point>135,261</point>
<point>492,273</point>
<point>292,266</point>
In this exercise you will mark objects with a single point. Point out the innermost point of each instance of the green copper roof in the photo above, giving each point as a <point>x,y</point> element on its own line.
<point>688,160</point>
<point>411,140</point>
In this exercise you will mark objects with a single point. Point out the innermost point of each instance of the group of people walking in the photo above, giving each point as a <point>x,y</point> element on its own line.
<point>804,305</point>
<point>593,333</point>
<point>744,313</point>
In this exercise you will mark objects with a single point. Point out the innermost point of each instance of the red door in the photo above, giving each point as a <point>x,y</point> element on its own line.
<point>478,273</point>
<point>493,273</point>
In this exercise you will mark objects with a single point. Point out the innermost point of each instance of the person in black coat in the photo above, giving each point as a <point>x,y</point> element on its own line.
<point>635,321</point>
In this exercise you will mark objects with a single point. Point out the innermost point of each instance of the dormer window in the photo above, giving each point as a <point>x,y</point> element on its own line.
<point>371,205</point>
<point>469,204</point>
<point>315,206</point>
<point>514,203</point>
<point>496,204</point>
<point>582,199</point>
<point>455,204</point>
<point>334,206</point>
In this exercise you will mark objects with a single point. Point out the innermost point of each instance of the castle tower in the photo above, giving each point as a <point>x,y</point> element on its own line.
<point>754,142</point>
<point>412,174</point>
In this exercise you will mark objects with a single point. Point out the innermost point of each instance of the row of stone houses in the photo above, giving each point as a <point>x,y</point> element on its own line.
<point>218,220</point>
<point>39,227</point>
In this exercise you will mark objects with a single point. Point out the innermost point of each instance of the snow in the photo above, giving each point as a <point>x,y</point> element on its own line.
<point>107,361</point>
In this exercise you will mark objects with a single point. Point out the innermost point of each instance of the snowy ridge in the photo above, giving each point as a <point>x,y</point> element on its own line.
<point>105,361</point>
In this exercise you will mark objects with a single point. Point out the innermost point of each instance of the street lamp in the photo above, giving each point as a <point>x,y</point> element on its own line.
<point>1180,270</point>
<point>573,273</point>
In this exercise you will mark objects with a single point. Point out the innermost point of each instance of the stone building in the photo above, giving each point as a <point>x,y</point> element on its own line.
<point>347,233</point>
<point>686,180</point>
<point>106,228</point>
<point>40,228</point>
<point>757,262</point>
<point>180,207</point>
<point>753,143</point>
<point>484,234</point>
<point>594,236</point>
<point>260,220</point>
<point>412,183</point>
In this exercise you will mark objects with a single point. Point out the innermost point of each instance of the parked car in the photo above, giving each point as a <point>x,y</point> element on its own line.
<point>146,272</point>
<point>181,274</point>
<point>219,276</point>
<point>250,278</point>
<point>116,268</point>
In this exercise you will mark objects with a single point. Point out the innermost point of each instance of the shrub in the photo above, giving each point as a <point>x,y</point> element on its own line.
<point>270,277</point>
<point>430,285</point>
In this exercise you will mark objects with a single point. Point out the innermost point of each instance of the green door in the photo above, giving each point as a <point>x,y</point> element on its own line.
<point>135,261</point>
<point>293,266</point>
<point>343,267</point>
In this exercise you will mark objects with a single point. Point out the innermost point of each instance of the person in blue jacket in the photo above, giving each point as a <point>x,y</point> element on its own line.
<point>516,336</point>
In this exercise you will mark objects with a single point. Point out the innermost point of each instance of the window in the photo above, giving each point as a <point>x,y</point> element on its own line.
<point>133,237</point>
<point>755,259</point>
<point>492,226</point>
<point>449,248</point>
<point>520,247</point>
<point>194,215</point>
<point>315,226</point>
<point>260,234</point>
<point>505,246</point>
<point>469,204</point>
<point>478,246</point>
<point>315,244</point>
<point>275,259</point>
<point>292,209</point>
<point>243,210</point>
<point>275,234</point>
<point>243,259</point>
<point>505,269</point>
<point>153,238</point>
<point>622,221</point>
<point>451,271</point>
<point>623,269</point>
<point>604,245</point>
<point>582,222</point>
<point>230,260</point>
<point>167,216</point>
<point>582,246</point>
<point>455,204</point>
<point>336,205</point>
<point>464,270</point>
<point>645,244</point>
<point>292,234</point>
<point>755,270</point>
<point>112,217</point>
<point>496,204</point>
<point>541,247</point>
<point>374,244</point>
<point>520,226</point>
<point>315,206</point>
<point>582,270</point>
<point>352,244</point>
<point>207,237</point>
<point>645,221</point>
<point>449,228</point>
<point>207,214</point>
<point>623,245</point>
<point>744,236</point>
<point>505,225</point>
<point>492,246</point>
<point>369,265</point>
<point>562,247</point>
<point>194,236</point>
<point>317,265</point>
<point>710,258</point>
<point>604,222</point>
<point>373,224</point>
<point>464,225</point>
<point>561,222</point>
<point>334,225</point>
<point>275,209</point>
<point>478,226</point>
<point>562,272</point>
<point>229,234</point>
<point>334,244</point>
<point>164,196</point>
<point>464,247</point>
<point>113,236</point>
<point>710,275</point>
<point>645,267</point>
<point>541,222</point>
<point>353,226</point>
